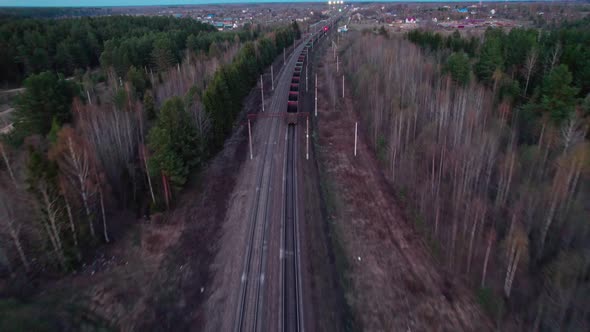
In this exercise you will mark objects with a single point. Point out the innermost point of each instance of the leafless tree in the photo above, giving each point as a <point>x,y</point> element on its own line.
<point>75,164</point>
<point>10,223</point>
<point>4,154</point>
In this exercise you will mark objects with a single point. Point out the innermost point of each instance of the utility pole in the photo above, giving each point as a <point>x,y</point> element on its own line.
<point>342,86</point>
<point>272,78</point>
<point>307,138</point>
<point>356,125</point>
<point>262,91</point>
<point>336,63</point>
<point>316,94</point>
<point>306,78</point>
<point>250,138</point>
<point>334,48</point>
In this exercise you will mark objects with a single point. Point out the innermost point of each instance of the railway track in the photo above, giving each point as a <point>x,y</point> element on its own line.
<point>291,306</point>
<point>249,316</point>
<point>250,311</point>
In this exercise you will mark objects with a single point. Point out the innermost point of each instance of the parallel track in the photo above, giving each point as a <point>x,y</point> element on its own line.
<point>292,311</point>
<point>248,315</point>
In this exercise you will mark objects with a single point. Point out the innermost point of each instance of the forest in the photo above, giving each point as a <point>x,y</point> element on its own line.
<point>69,46</point>
<point>485,139</point>
<point>85,152</point>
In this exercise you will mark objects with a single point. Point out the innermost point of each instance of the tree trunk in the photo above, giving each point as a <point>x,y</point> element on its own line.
<point>166,194</point>
<point>71,219</point>
<point>52,228</point>
<point>471,239</point>
<point>537,323</point>
<point>104,218</point>
<point>147,174</point>
<point>6,161</point>
<point>81,169</point>
<point>548,222</point>
<point>14,234</point>
<point>512,271</point>
<point>486,259</point>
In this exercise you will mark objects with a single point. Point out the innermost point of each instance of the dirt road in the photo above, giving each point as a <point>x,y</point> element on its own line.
<point>394,283</point>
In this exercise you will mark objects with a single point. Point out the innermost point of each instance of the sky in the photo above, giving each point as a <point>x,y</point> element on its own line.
<point>108,3</point>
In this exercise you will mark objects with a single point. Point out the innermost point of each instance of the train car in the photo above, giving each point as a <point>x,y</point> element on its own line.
<point>292,107</point>
<point>294,96</point>
<point>293,100</point>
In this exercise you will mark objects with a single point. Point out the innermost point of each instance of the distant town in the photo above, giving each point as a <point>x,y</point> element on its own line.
<point>396,16</point>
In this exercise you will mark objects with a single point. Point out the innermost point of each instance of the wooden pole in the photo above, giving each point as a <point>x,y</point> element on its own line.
<point>250,138</point>
<point>262,91</point>
<point>334,48</point>
<point>356,125</point>
<point>306,78</point>
<point>316,95</point>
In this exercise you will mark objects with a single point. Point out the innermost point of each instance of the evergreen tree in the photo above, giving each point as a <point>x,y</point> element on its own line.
<point>458,67</point>
<point>138,81</point>
<point>559,96</point>
<point>162,55</point>
<point>490,60</point>
<point>173,141</point>
<point>46,98</point>
<point>149,105</point>
<point>296,29</point>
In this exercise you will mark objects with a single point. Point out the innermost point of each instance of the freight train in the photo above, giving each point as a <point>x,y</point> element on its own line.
<point>293,101</point>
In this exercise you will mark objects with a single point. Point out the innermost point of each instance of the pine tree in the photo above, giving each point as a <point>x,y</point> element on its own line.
<point>173,141</point>
<point>458,66</point>
<point>559,97</point>
<point>46,97</point>
<point>162,55</point>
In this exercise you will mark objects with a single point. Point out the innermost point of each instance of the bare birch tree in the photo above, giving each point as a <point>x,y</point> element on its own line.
<point>75,164</point>
<point>11,225</point>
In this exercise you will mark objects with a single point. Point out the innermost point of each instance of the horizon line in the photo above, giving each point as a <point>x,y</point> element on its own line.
<point>246,2</point>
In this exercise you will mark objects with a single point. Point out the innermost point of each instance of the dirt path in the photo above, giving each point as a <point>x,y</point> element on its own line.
<point>394,284</point>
